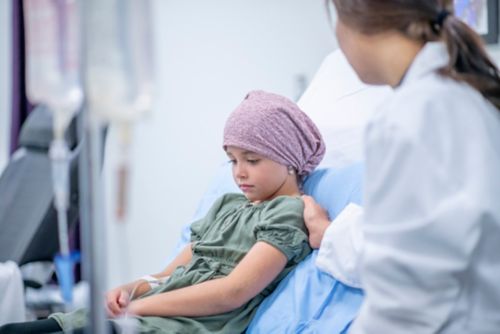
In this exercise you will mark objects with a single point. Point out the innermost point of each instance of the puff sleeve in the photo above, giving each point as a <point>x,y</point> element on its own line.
<point>282,226</point>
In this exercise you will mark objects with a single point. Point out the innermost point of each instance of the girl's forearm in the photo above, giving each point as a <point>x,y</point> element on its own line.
<point>207,298</point>
<point>254,272</point>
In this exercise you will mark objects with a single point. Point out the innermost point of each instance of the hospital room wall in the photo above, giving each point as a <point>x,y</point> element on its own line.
<point>209,55</point>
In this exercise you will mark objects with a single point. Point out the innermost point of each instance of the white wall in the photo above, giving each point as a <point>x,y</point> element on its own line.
<point>209,55</point>
<point>5,79</point>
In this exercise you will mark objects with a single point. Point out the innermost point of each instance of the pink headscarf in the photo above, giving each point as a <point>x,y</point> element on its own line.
<point>274,127</point>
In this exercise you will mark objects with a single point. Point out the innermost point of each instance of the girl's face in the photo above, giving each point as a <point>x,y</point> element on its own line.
<point>259,178</point>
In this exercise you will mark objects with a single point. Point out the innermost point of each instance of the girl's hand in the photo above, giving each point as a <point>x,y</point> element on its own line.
<point>117,301</point>
<point>316,219</point>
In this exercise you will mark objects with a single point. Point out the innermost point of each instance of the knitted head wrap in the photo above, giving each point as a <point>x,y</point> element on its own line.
<point>274,127</point>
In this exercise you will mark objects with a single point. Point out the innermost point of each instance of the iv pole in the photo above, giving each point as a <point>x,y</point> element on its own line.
<point>91,199</point>
<point>116,79</point>
<point>93,258</point>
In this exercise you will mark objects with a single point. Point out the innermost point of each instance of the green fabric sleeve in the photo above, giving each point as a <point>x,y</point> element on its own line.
<point>283,227</point>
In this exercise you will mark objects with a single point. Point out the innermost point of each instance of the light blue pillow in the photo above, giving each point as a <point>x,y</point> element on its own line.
<point>334,188</point>
<point>307,300</point>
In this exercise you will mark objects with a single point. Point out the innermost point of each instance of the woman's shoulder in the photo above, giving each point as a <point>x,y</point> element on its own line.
<point>435,91</point>
<point>432,103</point>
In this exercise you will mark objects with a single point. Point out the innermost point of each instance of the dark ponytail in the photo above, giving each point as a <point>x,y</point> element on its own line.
<point>469,61</point>
<point>429,20</point>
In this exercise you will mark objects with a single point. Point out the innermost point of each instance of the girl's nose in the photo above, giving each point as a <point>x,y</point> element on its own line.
<point>240,172</point>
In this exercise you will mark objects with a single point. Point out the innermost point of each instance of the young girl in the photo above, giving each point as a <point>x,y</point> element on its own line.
<point>245,244</point>
<point>431,224</point>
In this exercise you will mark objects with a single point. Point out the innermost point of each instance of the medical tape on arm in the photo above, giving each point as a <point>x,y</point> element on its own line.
<point>153,281</point>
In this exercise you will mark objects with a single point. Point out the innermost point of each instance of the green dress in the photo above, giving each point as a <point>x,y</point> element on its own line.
<point>219,241</point>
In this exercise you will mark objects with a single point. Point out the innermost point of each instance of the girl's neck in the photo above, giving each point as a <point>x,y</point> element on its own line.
<point>289,188</point>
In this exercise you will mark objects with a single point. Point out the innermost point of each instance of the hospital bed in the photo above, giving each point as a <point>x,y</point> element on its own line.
<point>308,300</point>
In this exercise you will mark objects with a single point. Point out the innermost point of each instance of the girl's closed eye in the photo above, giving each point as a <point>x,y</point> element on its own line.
<point>253,161</point>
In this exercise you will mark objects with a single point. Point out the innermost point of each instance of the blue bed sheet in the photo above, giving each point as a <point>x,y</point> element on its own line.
<point>307,301</point>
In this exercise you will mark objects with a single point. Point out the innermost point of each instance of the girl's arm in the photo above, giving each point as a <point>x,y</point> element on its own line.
<point>256,270</point>
<point>118,298</point>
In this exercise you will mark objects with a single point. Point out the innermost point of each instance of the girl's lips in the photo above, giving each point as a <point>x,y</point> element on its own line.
<point>245,187</point>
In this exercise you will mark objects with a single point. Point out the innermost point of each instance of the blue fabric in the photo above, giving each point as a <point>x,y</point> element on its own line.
<point>307,300</point>
<point>333,188</point>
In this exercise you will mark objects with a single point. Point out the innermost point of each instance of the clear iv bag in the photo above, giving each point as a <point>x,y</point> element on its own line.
<point>119,59</point>
<point>118,74</point>
<point>53,57</point>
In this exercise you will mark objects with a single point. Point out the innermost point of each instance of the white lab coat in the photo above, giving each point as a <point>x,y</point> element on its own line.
<point>430,258</point>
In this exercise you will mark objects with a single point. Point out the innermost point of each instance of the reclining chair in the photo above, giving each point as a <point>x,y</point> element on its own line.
<point>28,219</point>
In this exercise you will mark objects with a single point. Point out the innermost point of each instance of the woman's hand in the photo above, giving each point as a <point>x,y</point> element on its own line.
<point>316,219</point>
<point>117,301</point>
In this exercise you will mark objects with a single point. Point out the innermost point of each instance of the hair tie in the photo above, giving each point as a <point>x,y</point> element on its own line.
<point>443,14</point>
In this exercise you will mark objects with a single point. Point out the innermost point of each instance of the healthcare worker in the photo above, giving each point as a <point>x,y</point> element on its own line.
<point>430,258</point>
